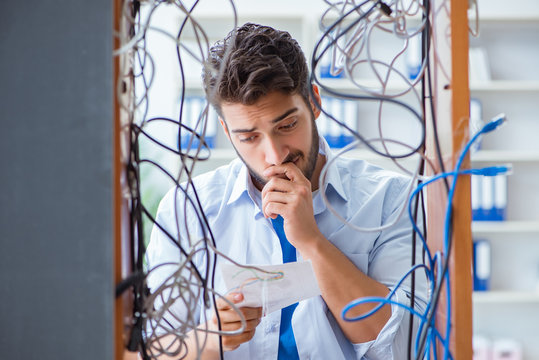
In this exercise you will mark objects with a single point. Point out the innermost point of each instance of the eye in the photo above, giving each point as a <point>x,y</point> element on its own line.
<point>248,139</point>
<point>289,126</point>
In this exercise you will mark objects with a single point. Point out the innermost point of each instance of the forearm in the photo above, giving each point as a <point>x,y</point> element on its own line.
<point>196,342</point>
<point>340,282</point>
<point>238,326</point>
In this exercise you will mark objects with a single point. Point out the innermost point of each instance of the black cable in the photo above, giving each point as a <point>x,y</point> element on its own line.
<point>133,279</point>
<point>437,292</point>
<point>425,57</point>
<point>425,48</point>
<point>413,262</point>
<point>438,288</point>
<point>137,208</point>
<point>182,154</point>
<point>190,182</point>
<point>426,39</point>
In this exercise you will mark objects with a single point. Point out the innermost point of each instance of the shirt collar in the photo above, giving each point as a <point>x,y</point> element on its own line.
<point>333,176</point>
<point>241,184</point>
<point>244,184</point>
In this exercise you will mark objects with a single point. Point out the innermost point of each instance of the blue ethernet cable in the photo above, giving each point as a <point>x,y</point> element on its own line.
<point>486,171</point>
<point>432,332</point>
<point>490,126</point>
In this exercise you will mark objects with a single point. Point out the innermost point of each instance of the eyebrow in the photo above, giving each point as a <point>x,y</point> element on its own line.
<point>276,120</point>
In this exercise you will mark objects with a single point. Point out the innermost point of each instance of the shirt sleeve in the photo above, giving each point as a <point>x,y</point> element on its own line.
<point>392,341</point>
<point>174,274</point>
<point>389,261</point>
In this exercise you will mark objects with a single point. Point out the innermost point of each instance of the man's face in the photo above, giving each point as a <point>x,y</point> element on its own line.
<point>277,129</point>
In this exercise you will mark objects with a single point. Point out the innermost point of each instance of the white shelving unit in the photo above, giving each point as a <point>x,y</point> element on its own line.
<point>500,156</point>
<point>508,34</point>
<point>505,227</point>
<point>505,85</point>
<point>505,298</point>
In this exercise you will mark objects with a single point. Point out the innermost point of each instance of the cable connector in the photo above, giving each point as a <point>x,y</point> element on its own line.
<point>494,123</point>
<point>496,170</point>
<point>385,8</point>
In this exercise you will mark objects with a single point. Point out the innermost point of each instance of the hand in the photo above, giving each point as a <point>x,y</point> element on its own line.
<point>230,321</point>
<point>288,193</point>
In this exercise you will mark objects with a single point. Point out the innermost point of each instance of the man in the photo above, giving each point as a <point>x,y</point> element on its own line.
<point>261,93</point>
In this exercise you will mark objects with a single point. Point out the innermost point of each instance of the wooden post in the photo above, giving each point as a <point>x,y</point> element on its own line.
<point>123,98</point>
<point>449,61</point>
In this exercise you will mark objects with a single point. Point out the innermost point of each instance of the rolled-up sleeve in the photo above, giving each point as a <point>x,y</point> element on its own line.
<point>391,341</point>
<point>389,261</point>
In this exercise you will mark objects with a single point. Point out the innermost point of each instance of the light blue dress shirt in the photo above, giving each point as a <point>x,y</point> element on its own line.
<point>366,195</point>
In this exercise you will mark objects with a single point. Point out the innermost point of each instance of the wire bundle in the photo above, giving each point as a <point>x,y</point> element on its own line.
<point>349,29</point>
<point>152,332</point>
<point>348,39</point>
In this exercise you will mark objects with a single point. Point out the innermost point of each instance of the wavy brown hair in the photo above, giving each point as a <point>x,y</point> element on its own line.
<point>252,61</point>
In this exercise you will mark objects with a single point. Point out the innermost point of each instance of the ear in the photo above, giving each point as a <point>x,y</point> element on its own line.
<point>225,128</point>
<point>316,97</point>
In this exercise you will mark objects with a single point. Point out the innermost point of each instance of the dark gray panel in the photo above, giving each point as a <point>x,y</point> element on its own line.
<point>56,288</point>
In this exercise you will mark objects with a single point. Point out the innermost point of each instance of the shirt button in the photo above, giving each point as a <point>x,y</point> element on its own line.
<point>270,328</point>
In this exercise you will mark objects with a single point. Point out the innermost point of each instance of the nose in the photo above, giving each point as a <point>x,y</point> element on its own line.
<point>275,152</point>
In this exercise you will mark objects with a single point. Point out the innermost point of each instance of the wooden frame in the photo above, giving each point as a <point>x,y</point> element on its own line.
<point>452,98</point>
<point>123,306</point>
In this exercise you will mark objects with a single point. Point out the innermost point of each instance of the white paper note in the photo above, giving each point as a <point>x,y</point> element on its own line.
<point>274,288</point>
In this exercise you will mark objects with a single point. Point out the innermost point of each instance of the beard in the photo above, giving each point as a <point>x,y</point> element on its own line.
<point>307,169</point>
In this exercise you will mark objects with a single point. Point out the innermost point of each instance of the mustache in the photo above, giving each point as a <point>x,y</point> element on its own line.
<point>293,157</point>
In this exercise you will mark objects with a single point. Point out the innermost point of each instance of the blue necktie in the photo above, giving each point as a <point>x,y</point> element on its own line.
<point>287,341</point>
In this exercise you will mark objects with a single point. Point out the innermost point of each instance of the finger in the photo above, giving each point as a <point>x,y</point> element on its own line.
<point>252,324</point>
<point>279,197</point>
<point>233,326</point>
<point>249,313</point>
<point>273,209</point>
<point>277,185</point>
<point>235,298</point>
<point>252,313</point>
<point>232,342</point>
<point>274,197</point>
<point>290,170</point>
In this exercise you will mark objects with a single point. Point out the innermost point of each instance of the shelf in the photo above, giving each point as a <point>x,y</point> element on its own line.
<point>511,18</point>
<point>502,297</point>
<point>247,8</point>
<point>223,154</point>
<point>505,156</point>
<point>480,156</point>
<point>505,85</point>
<point>370,84</point>
<point>399,86</point>
<point>502,10</point>
<point>505,227</point>
<point>336,84</point>
<point>192,84</point>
